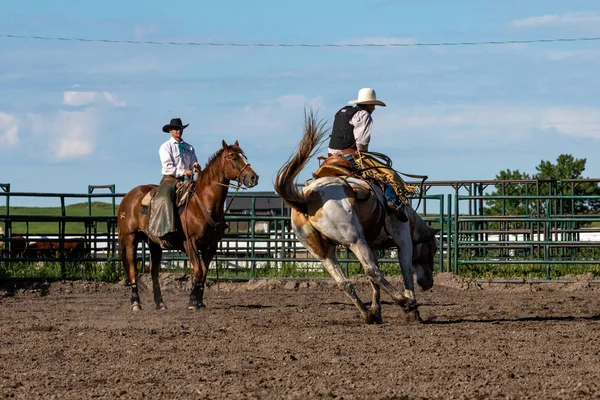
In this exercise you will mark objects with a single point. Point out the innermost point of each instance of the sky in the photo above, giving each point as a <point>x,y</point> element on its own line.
<point>74,114</point>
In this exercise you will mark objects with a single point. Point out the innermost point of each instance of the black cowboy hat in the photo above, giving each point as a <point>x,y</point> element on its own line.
<point>175,124</point>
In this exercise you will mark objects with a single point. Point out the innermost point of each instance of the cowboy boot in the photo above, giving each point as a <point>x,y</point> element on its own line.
<point>398,210</point>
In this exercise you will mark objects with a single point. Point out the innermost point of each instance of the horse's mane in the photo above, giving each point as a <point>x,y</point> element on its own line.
<point>209,171</point>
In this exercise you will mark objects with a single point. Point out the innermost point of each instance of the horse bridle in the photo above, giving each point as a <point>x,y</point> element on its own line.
<point>430,258</point>
<point>239,179</point>
<point>229,156</point>
<point>236,165</point>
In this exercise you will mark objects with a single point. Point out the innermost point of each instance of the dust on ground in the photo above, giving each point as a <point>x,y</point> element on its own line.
<point>299,339</point>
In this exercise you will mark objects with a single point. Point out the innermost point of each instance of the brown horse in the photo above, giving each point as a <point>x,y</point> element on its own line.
<point>202,224</point>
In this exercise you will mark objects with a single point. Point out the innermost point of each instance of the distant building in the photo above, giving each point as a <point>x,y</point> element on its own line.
<point>265,206</point>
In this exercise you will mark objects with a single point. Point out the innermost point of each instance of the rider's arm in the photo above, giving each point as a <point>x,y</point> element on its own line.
<point>194,159</point>
<point>362,123</point>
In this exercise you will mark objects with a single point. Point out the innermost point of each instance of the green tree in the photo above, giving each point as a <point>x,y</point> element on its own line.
<point>568,167</point>
<point>508,206</point>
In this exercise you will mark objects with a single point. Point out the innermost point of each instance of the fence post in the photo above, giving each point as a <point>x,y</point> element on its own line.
<point>449,233</point>
<point>441,250</point>
<point>253,237</point>
<point>456,238</point>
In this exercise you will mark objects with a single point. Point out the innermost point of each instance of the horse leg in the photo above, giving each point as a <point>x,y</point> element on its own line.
<point>324,251</point>
<point>369,263</point>
<point>402,238</point>
<point>197,290</point>
<point>335,270</point>
<point>375,308</point>
<point>128,247</point>
<point>155,258</point>
<point>206,257</point>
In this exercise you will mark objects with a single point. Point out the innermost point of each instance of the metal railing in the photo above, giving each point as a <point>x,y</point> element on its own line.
<point>260,237</point>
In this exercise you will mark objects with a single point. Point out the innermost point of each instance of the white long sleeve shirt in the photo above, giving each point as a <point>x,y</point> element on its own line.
<point>362,123</point>
<point>175,162</point>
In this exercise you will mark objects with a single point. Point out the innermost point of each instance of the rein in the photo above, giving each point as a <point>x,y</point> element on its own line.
<point>388,165</point>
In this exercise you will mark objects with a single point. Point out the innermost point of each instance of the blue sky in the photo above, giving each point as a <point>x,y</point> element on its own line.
<point>74,114</point>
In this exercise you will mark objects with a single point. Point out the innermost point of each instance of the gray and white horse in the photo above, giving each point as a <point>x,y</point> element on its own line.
<point>347,211</point>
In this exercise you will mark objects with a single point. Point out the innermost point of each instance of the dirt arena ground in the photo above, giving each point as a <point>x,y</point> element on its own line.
<point>300,340</point>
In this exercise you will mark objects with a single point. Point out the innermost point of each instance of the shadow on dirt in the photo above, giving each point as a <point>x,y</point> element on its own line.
<point>518,319</point>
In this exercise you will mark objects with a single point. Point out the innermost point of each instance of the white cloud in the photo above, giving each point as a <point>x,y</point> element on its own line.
<point>482,125</point>
<point>114,100</point>
<point>77,99</point>
<point>70,134</point>
<point>82,98</point>
<point>9,130</point>
<point>380,40</point>
<point>579,20</point>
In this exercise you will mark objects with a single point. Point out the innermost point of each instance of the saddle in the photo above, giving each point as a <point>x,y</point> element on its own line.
<point>333,166</point>
<point>183,191</point>
<point>339,166</point>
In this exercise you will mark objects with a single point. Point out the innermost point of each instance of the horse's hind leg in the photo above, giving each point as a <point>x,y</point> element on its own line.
<point>155,258</point>
<point>335,270</point>
<point>369,263</point>
<point>324,251</point>
<point>128,248</point>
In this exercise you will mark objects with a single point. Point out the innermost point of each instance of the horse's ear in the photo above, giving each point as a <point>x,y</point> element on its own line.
<point>236,144</point>
<point>225,147</point>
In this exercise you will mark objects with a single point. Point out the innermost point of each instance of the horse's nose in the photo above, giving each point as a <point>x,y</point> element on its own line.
<point>254,179</point>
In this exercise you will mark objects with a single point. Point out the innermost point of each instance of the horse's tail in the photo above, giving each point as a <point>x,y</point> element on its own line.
<point>314,131</point>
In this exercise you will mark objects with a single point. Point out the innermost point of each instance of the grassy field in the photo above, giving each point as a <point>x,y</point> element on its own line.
<point>112,271</point>
<point>51,228</point>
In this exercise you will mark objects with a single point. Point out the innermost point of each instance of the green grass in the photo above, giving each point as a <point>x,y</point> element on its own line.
<point>113,272</point>
<point>525,271</point>
<point>98,271</point>
<point>49,228</point>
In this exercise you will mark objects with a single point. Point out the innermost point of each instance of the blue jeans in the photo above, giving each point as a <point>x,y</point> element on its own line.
<point>350,158</point>
<point>390,194</point>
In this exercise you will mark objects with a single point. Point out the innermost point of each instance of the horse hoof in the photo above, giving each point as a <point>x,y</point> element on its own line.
<point>375,319</point>
<point>374,314</point>
<point>413,316</point>
<point>161,307</point>
<point>196,306</point>
<point>136,306</point>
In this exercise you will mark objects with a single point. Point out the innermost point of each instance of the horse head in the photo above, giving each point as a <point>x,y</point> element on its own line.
<point>424,256</point>
<point>236,167</point>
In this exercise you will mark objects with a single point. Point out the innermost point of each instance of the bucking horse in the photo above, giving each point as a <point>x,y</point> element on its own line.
<point>351,212</point>
<point>202,223</point>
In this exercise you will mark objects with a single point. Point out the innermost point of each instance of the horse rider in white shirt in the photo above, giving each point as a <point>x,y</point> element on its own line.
<point>178,159</point>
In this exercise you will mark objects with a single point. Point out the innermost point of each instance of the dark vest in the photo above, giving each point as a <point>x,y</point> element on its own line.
<point>342,133</point>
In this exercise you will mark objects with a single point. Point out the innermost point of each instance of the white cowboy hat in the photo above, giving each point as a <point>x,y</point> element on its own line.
<point>367,96</point>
